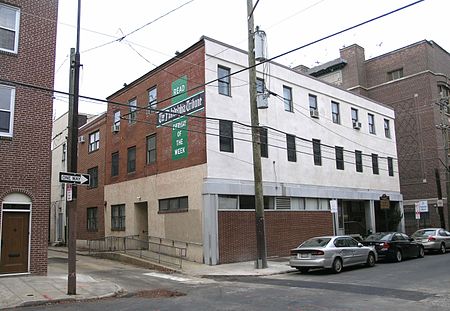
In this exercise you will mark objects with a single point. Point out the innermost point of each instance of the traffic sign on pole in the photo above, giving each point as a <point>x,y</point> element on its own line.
<point>74,178</point>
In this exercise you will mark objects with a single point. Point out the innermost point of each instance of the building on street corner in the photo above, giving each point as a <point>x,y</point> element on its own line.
<point>27,55</point>
<point>414,81</point>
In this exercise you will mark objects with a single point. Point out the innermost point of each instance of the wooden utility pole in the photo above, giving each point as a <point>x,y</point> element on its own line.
<point>261,260</point>
<point>72,151</point>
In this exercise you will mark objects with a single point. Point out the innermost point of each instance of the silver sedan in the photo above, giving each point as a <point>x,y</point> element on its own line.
<point>433,239</point>
<point>331,252</point>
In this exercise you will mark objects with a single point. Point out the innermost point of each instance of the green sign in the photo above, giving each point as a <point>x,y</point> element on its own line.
<point>179,138</point>
<point>179,89</point>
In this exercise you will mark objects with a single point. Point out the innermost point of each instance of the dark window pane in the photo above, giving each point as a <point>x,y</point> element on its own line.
<point>339,158</point>
<point>390,166</point>
<point>358,161</point>
<point>131,162</point>
<point>375,164</point>
<point>263,141</point>
<point>226,136</point>
<point>291,151</point>
<point>317,152</point>
<point>115,164</point>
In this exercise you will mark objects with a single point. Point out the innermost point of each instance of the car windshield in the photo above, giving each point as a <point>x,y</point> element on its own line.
<point>315,242</point>
<point>379,236</point>
<point>424,233</point>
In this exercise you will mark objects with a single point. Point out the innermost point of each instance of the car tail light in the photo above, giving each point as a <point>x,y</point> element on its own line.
<point>294,252</point>
<point>385,245</point>
<point>317,253</point>
<point>431,238</point>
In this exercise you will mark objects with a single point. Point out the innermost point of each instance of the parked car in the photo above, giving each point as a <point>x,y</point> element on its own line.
<point>433,239</point>
<point>331,252</point>
<point>394,246</point>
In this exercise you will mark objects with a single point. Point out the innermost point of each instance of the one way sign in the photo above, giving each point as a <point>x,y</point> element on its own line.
<point>74,178</point>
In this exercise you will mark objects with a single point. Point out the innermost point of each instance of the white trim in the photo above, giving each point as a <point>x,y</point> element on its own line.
<point>16,30</point>
<point>29,211</point>
<point>11,110</point>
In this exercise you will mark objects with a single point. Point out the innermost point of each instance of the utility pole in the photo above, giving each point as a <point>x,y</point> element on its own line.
<point>439,204</point>
<point>261,259</point>
<point>72,151</point>
<point>444,126</point>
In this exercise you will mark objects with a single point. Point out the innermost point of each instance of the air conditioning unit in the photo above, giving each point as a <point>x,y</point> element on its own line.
<point>356,125</point>
<point>81,139</point>
<point>314,113</point>
<point>115,128</point>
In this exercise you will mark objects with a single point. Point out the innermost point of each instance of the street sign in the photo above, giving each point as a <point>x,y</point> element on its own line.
<point>423,206</point>
<point>417,210</point>
<point>384,202</point>
<point>69,192</point>
<point>74,178</point>
<point>333,206</point>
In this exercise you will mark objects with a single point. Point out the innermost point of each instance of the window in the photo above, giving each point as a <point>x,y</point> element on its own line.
<point>335,112</point>
<point>263,142</point>
<point>91,220</point>
<point>115,164</point>
<point>223,74</point>
<point>358,161</point>
<point>312,102</point>
<point>387,129</point>
<point>131,159</point>
<point>354,115</point>
<point>152,99</point>
<point>339,157</point>
<point>94,141</point>
<point>64,152</point>
<point>317,152</point>
<point>443,91</point>
<point>7,95</point>
<point>291,152</point>
<point>287,98</point>
<point>226,136</point>
<point>260,86</point>
<point>9,28</point>
<point>93,172</point>
<point>117,117</point>
<point>118,217</point>
<point>395,74</point>
<point>371,119</point>
<point>133,110</point>
<point>375,169</point>
<point>173,205</point>
<point>151,149</point>
<point>390,162</point>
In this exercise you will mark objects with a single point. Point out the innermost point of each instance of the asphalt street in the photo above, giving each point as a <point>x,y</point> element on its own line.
<point>413,285</point>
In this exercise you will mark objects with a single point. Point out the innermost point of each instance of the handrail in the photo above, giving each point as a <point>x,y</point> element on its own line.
<point>162,253</point>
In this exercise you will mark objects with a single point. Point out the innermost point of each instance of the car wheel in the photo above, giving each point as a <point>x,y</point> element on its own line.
<point>442,249</point>
<point>421,253</point>
<point>303,269</point>
<point>337,265</point>
<point>370,260</point>
<point>398,256</point>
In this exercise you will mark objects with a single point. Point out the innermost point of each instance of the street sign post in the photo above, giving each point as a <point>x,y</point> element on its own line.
<point>74,178</point>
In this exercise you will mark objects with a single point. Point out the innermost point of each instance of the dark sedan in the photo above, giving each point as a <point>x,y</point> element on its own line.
<point>394,246</point>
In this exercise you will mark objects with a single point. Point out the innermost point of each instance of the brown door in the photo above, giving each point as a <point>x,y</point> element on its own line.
<point>14,248</point>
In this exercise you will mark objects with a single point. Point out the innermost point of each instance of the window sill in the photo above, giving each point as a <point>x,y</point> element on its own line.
<point>118,229</point>
<point>173,211</point>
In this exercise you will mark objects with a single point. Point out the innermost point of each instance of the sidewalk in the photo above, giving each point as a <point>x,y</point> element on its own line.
<point>28,290</point>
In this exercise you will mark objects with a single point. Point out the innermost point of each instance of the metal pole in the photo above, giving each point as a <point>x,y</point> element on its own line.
<point>444,114</point>
<point>261,260</point>
<point>72,141</point>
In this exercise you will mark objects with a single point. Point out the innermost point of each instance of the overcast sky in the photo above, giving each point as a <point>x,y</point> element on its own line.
<point>288,24</point>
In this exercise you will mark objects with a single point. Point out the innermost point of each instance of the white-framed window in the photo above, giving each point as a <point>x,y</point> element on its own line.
<point>94,141</point>
<point>152,99</point>
<point>7,98</point>
<point>133,110</point>
<point>9,28</point>
<point>335,112</point>
<point>371,119</point>
<point>287,98</point>
<point>387,128</point>
<point>117,117</point>
<point>224,81</point>
<point>354,115</point>
<point>312,102</point>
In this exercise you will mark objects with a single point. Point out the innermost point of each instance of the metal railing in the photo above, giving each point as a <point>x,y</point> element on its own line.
<point>168,254</point>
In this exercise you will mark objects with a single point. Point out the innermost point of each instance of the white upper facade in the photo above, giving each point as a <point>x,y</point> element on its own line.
<point>238,165</point>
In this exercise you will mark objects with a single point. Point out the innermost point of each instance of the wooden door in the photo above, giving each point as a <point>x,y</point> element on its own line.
<point>14,246</point>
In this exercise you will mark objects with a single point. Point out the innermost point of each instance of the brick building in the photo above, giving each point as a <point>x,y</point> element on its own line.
<point>412,81</point>
<point>90,199</point>
<point>27,55</point>
<point>189,178</point>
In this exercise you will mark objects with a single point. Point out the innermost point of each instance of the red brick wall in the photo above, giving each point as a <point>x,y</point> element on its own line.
<point>189,63</point>
<point>25,164</point>
<point>92,197</point>
<point>284,231</point>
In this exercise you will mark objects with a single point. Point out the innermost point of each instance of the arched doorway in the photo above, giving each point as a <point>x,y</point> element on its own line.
<point>15,233</point>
